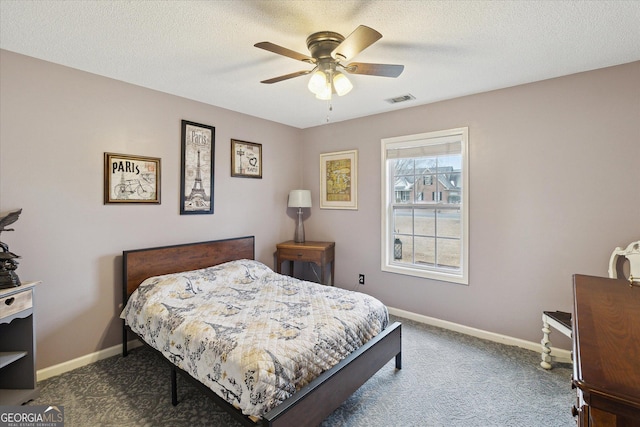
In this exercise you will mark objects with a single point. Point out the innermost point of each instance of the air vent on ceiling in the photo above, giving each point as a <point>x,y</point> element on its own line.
<point>401,98</point>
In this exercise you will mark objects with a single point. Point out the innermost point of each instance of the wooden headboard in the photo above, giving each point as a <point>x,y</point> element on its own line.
<point>141,264</point>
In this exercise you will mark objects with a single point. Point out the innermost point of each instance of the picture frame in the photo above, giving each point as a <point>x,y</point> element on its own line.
<point>197,168</point>
<point>246,159</point>
<point>131,179</point>
<point>339,180</point>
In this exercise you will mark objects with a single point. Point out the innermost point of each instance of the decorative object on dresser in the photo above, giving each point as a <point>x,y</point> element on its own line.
<point>618,260</point>
<point>246,159</point>
<point>131,179</point>
<point>196,177</point>
<point>319,253</point>
<point>606,351</point>
<point>17,346</point>
<point>339,180</point>
<point>8,263</point>
<point>299,199</point>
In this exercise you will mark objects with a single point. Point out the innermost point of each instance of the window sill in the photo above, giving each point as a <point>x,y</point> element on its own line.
<point>427,274</point>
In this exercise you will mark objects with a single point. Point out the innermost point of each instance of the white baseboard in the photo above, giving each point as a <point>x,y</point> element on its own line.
<point>78,362</point>
<point>558,354</point>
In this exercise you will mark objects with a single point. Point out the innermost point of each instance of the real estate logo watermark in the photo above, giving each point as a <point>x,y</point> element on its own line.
<point>32,416</point>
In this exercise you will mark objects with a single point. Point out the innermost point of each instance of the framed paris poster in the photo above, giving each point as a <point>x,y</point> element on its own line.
<point>246,159</point>
<point>196,178</point>
<point>131,179</point>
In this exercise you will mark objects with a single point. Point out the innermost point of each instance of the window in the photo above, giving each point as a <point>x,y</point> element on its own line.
<point>425,193</point>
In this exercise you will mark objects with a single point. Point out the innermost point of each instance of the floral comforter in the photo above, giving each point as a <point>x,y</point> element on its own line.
<point>251,335</point>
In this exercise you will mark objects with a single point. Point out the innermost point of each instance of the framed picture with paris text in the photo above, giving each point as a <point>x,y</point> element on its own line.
<point>339,180</point>
<point>246,159</point>
<point>197,171</point>
<point>131,179</point>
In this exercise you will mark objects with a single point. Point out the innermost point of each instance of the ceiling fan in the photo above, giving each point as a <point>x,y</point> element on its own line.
<point>328,49</point>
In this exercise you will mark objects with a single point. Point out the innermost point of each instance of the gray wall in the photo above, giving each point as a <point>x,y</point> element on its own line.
<point>56,124</point>
<point>555,187</point>
<point>552,193</point>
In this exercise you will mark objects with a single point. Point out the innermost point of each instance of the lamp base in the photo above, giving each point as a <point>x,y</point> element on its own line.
<point>298,237</point>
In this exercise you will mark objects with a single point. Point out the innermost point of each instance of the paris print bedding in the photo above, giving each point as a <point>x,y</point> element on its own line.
<point>251,335</point>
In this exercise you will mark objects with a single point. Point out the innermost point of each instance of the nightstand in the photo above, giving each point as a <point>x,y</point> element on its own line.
<point>18,345</point>
<point>319,253</point>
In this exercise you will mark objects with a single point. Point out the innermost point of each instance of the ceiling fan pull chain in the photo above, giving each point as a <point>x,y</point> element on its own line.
<point>330,109</point>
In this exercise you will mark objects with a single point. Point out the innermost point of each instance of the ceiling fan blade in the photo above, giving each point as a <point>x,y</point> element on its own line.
<point>286,77</point>
<point>361,38</point>
<point>284,51</point>
<point>384,70</point>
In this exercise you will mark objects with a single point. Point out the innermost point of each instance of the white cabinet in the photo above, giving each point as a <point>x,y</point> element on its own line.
<point>17,345</point>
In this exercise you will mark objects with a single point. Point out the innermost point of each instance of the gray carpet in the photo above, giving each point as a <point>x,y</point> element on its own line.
<point>448,379</point>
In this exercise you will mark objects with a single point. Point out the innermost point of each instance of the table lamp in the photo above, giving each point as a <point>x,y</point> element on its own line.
<point>299,199</point>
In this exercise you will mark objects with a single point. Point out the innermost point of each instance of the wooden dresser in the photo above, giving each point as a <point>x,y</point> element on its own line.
<point>606,351</point>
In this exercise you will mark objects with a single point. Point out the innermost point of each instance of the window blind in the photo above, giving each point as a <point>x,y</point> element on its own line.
<point>441,146</point>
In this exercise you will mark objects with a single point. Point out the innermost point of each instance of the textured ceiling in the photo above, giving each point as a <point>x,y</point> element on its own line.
<point>203,50</point>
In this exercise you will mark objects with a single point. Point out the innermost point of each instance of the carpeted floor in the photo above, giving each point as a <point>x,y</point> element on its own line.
<point>448,379</point>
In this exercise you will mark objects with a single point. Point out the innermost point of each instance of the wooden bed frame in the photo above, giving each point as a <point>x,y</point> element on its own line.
<point>308,406</point>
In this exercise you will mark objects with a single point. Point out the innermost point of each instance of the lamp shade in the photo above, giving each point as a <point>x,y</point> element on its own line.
<point>317,82</point>
<point>341,84</point>
<point>300,199</point>
<point>324,94</point>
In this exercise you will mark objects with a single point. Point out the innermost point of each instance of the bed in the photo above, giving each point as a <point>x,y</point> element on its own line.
<point>320,394</point>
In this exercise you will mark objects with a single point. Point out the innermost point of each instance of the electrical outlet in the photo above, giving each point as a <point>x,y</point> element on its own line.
<point>361,279</point>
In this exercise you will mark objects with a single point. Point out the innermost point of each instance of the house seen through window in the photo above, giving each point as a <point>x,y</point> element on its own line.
<point>424,212</point>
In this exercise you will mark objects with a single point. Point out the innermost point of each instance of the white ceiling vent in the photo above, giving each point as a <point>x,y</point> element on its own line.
<point>401,98</point>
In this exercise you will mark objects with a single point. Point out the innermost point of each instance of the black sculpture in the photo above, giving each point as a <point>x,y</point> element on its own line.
<point>8,263</point>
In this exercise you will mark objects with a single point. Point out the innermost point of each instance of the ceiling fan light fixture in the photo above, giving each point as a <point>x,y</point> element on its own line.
<point>341,84</point>
<point>318,82</point>
<point>325,93</point>
<point>327,51</point>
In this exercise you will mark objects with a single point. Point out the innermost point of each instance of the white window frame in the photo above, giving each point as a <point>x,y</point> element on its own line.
<point>430,272</point>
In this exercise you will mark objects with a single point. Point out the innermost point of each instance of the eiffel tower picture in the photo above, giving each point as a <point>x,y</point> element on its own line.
<point>196,181</point>
<point>198,195</point>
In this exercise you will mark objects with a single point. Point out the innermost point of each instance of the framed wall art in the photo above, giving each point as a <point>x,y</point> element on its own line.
<point>246,159</point>
<point>131,179</point>
<point>196,177</point>
<point>339,180</point>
